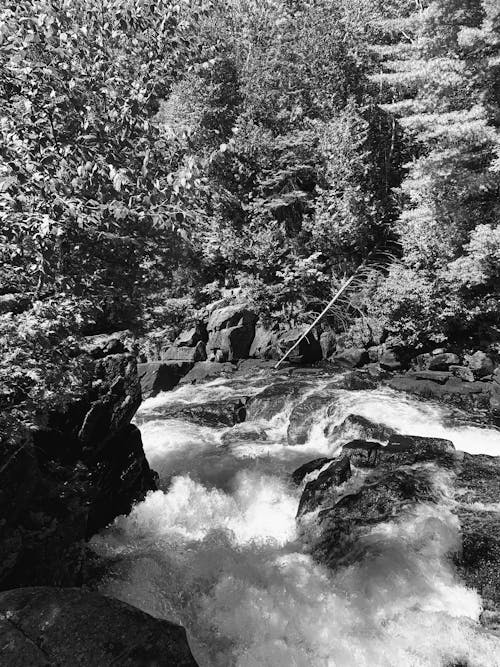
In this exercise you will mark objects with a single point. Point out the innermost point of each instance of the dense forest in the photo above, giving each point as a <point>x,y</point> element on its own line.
<point>157,154</point>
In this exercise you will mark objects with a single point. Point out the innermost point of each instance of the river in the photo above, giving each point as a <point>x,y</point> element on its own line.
<point>217,548</point>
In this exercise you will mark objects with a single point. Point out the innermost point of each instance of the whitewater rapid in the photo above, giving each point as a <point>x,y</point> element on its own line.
<point>218,550</point>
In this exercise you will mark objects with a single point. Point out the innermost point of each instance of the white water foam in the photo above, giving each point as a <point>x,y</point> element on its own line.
<point>220,554</point>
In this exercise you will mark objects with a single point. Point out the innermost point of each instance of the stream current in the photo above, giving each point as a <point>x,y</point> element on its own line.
<point>217,548</point>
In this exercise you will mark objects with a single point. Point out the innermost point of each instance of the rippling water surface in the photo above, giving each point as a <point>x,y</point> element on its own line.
<point>217,548</point>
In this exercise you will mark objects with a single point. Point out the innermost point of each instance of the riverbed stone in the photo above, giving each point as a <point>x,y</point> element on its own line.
<point>68,627</point>
<point>157,376</point>
<point>352,357</point>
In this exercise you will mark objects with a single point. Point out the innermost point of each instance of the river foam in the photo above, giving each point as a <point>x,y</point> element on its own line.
<point>220,553</point>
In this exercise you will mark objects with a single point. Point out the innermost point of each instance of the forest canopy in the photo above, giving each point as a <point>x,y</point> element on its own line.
<point>155,152</point>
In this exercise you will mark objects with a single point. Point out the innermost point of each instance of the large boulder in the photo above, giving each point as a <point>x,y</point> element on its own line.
<point>480,364</point>
<point>352,357</point>
<point>231,331</point>
<point>185,353</point>
<point>68,627</point>
<point>66,478</point>
<point>157,376</point>
<point>192,337</point>
<point>264,344</point>
<point>274,399</point>
<point>304,415</point>
<point>357,426</point>
<point>226,412</point>
<point>308,350</point>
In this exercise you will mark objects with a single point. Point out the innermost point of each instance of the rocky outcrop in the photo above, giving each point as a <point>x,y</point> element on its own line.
<point>204,371</point>
<point>227,412</point>
<point>157,376</point>
<point>67,627</point>
<point>65,479</point>
<point>185,353</point>
<point>370,485</point>
<point>308,350</point>
<point>351,358</point>
<point>273,399</point>
<point>231,331</point>
<point>264,344</point>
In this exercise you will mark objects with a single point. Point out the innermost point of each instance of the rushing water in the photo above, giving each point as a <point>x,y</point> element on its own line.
<point>217,549</point>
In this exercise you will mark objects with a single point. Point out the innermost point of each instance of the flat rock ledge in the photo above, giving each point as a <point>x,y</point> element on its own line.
<point>68,627</point>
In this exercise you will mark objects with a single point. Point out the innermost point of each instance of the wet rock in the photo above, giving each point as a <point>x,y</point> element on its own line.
<point>69,627</point>
<point>308,351</point>
<point>309,467</point>
<point>157,376</point>
<point>242,433</point>
<point>304,415</point>
<point>358,380</point>
<point>351,358</point>
<point>357,426</point>
<point>466,395</point>
<point>227,412</point>
<point>480,364</point>
<point>273,399</point>
<point>204,371</point>
<point>317,490</point>
<point>184,353</point>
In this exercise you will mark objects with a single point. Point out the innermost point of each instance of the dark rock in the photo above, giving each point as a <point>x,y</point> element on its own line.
<point>72,628</point>
<point>227,412</point>
<point>308,351</point>
<point>264,344</point>
<point>252,366</point>
<point>204,371</point>
<point>422,361</point>
<point>273,399</point>
<point>190,354</point>
<point>351,358</point>
<point>231,331</point>
<point>309,467</point>
<point>327,342</point>
<point>102,345</point>
<point>70,477</point>
<point>466,395</point>
<point>157,376</point>
<point>442,362</point>
<point>358,380</point>
<point>357,426</point>
<point>389,361</point>
<point>317,490</point>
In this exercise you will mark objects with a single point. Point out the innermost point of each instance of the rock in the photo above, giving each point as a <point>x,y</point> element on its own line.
<point>308,351</point>
<point>351,358</point>
<point>14,303</point>
<point>357,426</point>
<point>227,412</point>
<point>264,344</point>
<point>157,376</point>
<point>102,345</point>
<point>70,477</point>
<point>309,467</point>
<point>273,399</point>
<point>304,415</point>
<point>230,344</point>
<point>462,372</point>
<point>443,361</point>
<point>434,376</point>
<point>316,491</point>
<point>231,331</point>
<point>204,371</point>
<point>480,364</point>
<point>494,401</point>
<point>327,342</point>
<point>374,352</point>
<point>69,627</point>
<point>184,353</point>
<point>466,395</point>
<point>192,337</point>
<point>358,380</point>
<point>252,366</point>
<point>389,361</point>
